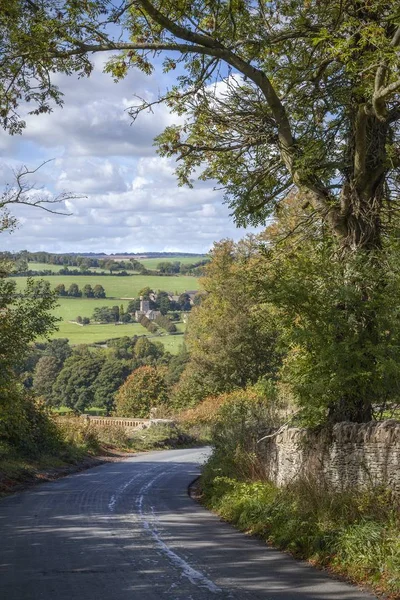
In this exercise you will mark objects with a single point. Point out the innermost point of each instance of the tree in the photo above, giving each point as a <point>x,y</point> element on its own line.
<point>60,290</point>
<point>20,193</point>
<point>177,366</point>
<point>144,349</point>
<point>103,314</point>
<point>338,328</point>
<point>60,349</point>
<point>45,374</point>
<point>163,302</point>
<point>23,318</point>
<point>112,375</point>
<point>133,305</point>
<point>74,291</point>
<point>87,291</point>
<point>232,339</point>
<point>144,389</point>
<point>111,266</point>
<point>99,291</point>
<point>184,302</point>
<point>74,384</point>
<point>115,312</point>
<point>328,124</point>
<point>145,293</point>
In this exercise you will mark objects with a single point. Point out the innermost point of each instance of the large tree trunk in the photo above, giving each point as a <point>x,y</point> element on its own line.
<point>357,221</point>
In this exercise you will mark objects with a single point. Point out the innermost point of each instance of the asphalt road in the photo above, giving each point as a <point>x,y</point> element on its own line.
<point>129,531</point>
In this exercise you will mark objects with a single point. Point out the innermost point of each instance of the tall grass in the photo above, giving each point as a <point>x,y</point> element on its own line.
<point>356,534</point>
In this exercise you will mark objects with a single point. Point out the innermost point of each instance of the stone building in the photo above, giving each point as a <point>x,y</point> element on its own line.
<point>146,311</point>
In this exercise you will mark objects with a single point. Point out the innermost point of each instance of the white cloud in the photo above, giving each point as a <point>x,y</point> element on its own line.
<point>133,202</point>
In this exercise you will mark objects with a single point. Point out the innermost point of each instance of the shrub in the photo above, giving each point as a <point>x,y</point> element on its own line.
<point>79,432</point>
<point>25,424</point>
<point>238,420</point>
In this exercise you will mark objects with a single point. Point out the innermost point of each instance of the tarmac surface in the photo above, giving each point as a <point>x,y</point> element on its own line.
<point>129,531</point>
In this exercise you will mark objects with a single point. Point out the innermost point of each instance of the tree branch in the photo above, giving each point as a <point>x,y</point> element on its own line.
<point>20,194</point>
<point>380,92</point>
<point>156,47</point>
<point>360,152</point>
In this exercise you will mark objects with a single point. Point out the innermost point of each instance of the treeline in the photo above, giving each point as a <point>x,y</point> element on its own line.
<point>83,377</point>
<point>74,291</point>
<point>85,265</point>
<point>64,271</point>
<point>72,260</point>
<point>178,268</point>
<point>111,314</point>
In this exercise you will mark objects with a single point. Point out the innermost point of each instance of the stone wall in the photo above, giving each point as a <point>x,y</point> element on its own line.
<point>351,455</point>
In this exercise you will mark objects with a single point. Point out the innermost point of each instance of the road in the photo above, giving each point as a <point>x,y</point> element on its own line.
<point>129,531</point>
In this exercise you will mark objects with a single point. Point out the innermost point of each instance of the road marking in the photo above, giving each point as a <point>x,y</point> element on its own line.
<point>195,577</point>
<point>118,493</point>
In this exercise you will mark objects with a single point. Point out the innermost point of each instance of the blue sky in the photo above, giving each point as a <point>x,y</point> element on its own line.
<point>132,201</point>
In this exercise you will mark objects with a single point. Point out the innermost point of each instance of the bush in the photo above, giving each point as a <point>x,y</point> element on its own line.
<point>113,435</point>
<point>163,436</point>
<point>79,433</point>
<point>25,424</point>
<point>238,420</point>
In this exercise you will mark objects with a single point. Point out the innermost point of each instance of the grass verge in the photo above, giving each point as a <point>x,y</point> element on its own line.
<point>353,534</point>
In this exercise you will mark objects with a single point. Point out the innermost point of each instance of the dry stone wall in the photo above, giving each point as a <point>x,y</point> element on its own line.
<point>351,455</point>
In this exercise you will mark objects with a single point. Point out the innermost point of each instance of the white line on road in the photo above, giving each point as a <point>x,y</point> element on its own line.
<point>195,577</point>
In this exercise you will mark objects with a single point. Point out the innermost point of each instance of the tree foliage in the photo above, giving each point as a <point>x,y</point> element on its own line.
<point>74,385</point>
<point>112,375</point>
<point>144,389</point>
<point>23,317</point>
<point>269,95</point>
<point>338,321</point>
<point>46,372</point>
<point>231,338</point>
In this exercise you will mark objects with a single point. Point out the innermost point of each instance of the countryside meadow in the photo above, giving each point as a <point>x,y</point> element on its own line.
<point>119,290</point>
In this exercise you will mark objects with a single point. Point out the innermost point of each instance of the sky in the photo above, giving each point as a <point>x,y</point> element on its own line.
<point>130,200</point>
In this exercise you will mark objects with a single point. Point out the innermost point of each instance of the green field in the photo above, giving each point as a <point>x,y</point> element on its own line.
<point>90,334</point>
<point>70,308</point>
<point>123,287</point>
<point>116,288</point>
<point>36,266</point>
